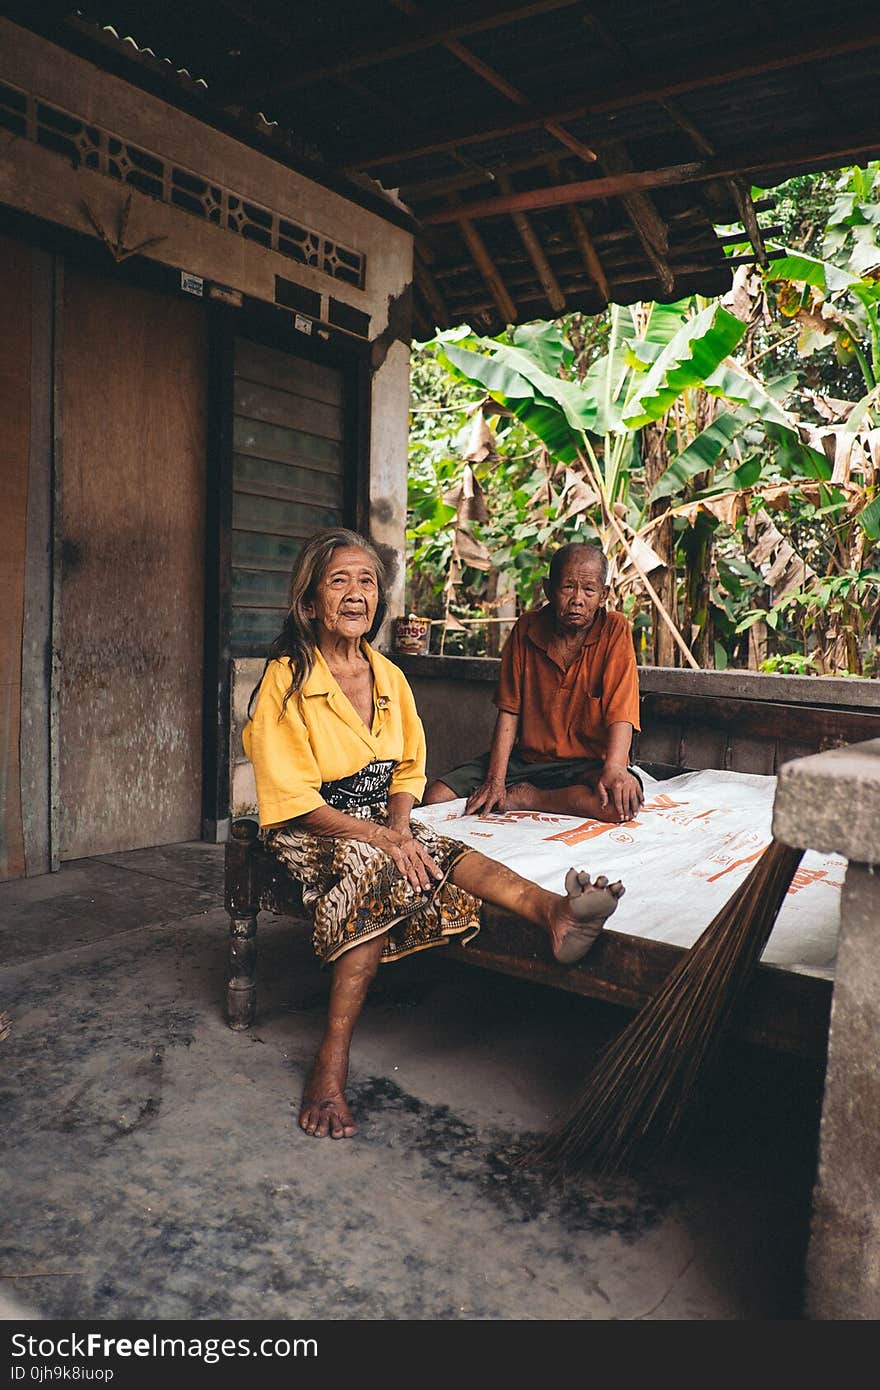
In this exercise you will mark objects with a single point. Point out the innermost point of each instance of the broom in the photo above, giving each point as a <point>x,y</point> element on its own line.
<point>637,1094</point>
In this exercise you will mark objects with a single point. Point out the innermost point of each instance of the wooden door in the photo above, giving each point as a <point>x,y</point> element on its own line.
<point>15,414</point>
<point>288,480</point>
<point>132,591</point>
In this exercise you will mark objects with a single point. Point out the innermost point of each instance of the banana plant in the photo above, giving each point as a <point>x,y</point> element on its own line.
<point>649,363</point>
<point>657,356</point>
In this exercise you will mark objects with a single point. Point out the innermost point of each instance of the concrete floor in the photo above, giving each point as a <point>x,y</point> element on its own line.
<point>153,1168</point>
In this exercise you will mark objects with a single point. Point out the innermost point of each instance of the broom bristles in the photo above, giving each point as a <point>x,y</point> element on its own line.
<point>637,1094</point>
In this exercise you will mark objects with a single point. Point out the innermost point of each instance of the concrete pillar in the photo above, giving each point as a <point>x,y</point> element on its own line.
<point>831,802</point>
<point>388,469</point>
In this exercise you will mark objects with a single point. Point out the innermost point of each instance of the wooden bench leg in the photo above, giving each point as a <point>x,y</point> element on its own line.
<point>241,992</point>
<point>242,904</point>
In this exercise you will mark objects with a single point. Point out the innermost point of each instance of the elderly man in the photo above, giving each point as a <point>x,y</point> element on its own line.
<point>568,702</point>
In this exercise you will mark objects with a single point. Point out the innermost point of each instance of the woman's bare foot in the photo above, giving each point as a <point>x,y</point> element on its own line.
<point>578,918</point>
<point>323,1109</point>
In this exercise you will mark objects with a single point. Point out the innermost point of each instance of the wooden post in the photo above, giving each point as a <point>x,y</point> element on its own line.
<point>242,906</point>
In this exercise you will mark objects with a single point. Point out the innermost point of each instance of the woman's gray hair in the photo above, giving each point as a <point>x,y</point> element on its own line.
<point>296,641</point>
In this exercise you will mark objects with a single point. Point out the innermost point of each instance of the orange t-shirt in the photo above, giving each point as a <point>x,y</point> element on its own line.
<point>566,714</point>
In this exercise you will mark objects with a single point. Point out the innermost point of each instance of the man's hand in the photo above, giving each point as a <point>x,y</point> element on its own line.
<point>618,788</point>
<point>490,796</point>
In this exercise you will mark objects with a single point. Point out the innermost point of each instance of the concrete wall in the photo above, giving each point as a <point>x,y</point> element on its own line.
<point>454,696</point>
<point>454,699</point>
<point>43,182</point>
<point>243,791</point>
<point>389,461</point>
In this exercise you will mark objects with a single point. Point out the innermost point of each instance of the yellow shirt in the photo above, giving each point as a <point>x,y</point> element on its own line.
<point>321,737</point>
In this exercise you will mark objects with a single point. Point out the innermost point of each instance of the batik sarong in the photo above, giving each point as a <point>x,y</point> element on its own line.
<point>354,891</point>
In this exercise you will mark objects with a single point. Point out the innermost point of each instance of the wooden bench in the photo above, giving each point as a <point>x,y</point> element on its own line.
<point>782,1010</point>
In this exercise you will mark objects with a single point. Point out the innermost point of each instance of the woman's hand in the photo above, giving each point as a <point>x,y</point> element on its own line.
<point>490,796</point>
<point>411,858</point>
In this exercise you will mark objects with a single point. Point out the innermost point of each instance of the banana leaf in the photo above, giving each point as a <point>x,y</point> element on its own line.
<point>753,405</point>
<point>746,475</point>
<point>665,320</point>
<point>857,416</point>
<point>694,352</point>
<point>513,375</point>
<point>731,383</point>
<point>822,275</point>
<point>546,342</point>
<point>703,452</point>
<point>827,277</point>
<point>794,457</point>
<point>869,519</point>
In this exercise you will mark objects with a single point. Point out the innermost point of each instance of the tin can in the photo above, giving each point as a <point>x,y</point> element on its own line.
<point>412,635</point>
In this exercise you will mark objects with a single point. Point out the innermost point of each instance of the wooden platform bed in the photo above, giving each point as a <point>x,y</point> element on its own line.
<point>680,731</point>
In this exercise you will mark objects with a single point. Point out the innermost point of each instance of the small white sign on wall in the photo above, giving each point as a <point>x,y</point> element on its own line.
<point>192,284</point>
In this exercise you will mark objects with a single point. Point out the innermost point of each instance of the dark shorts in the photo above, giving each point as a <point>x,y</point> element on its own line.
<point>562,772</point>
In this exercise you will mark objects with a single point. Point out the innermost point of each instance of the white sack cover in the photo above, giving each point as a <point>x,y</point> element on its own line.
<point>692,843</point>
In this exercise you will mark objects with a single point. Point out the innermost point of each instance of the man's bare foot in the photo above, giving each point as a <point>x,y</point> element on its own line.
<point>578,918</point>
<point>323,1109</point>
<point>579,800</point>
<point>521,797</point>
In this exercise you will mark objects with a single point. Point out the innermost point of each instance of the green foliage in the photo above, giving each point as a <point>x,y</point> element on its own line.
<point>790,664</point>
<point>570,404</point>
<point>523,523</point>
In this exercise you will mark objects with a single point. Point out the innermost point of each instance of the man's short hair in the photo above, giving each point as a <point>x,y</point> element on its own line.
<point>560,556</point>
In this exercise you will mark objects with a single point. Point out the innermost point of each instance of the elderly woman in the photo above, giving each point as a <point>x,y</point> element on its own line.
<point>339,756</point>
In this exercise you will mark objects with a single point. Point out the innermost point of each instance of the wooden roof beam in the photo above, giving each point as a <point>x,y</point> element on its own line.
<point>388,43</point>
<point>520,280</point>
<point>476,174</point>
<point>847,145</point>
<point>642,213</point>
<point>743,199</point>
<point>752,61</point>
<point>470,177</point>
<point>807,80</point>
<point>565,194</point>
<point>486,266</point>
<point>586,245</point>
<point>519,276</point>
<point>499,83</point>
<point>428,289</point>
<point>737,188</point>
<point>549,283</point>
<point>565,255</point>
<point>642,277</point>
